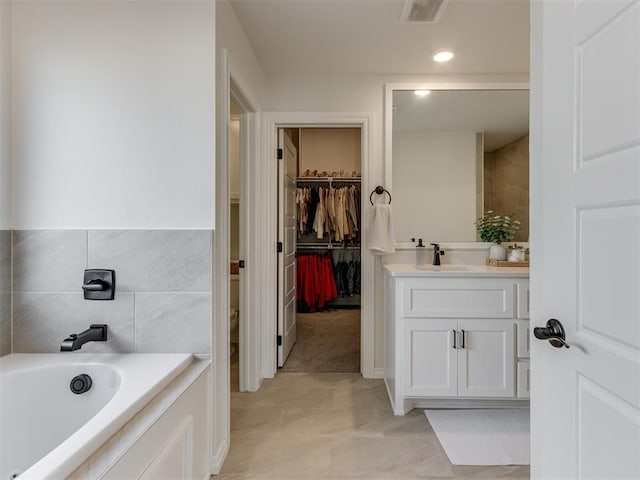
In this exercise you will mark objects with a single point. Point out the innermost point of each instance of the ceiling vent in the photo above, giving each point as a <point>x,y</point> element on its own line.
<point>425,11</point>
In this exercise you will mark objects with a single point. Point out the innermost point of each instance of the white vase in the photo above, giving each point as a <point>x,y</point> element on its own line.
<point>497,252</point>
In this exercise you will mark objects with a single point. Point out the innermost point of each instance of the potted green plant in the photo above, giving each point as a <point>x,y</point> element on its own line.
<point>497,229</point>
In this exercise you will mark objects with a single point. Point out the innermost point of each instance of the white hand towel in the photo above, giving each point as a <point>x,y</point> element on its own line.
<point>381,235</point>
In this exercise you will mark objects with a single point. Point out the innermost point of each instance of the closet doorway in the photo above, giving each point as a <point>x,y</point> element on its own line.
<point>319,242</point>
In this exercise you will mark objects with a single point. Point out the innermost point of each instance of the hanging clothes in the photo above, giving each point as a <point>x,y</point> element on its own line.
<point>329,209</point>
<point>347,272</point>
<point>316,284</point>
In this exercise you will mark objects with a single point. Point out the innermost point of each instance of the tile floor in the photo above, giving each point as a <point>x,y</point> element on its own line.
<point>309,426</point>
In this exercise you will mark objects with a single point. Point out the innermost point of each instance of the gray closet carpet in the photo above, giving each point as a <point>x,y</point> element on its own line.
<point>326,342</point>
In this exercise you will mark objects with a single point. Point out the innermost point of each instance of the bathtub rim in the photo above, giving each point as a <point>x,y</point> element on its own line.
<point>75,449</point>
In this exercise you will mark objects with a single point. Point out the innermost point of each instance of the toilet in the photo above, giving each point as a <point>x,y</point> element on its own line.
<point>233,325</point>
<point>234,304</point>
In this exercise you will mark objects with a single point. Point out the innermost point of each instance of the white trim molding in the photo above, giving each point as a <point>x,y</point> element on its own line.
<point>218,458</point>
<point>272,121</point>
<point>228,85</point>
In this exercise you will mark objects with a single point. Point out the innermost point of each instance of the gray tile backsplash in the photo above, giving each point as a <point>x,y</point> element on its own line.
<point>42,320</point>
<point>163,289</point>
<point>5,261</point>
<point>5,323</point>
<point>156,260</point>
<point>173,322</point>
<point>5,292</point>
<point>49,261</point>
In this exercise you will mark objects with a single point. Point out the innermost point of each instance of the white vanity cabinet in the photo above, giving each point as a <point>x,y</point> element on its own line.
<point>467,358</point>
<point>452,338</point>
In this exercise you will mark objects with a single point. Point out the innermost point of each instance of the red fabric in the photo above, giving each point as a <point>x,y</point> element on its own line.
<point>316,284</point>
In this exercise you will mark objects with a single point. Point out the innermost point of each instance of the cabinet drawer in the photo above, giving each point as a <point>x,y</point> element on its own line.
<point>523,298</point>
<point>523,374</point>
<point>524,338</point>
<point>458,298</point>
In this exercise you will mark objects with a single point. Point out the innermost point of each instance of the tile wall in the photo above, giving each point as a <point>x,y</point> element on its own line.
<point>506,174</point>
<point>163,289</point>
<point>5,292</point>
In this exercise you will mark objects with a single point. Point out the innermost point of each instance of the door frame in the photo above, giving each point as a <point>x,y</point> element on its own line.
<point>230,84</point>
<point>269,208</point>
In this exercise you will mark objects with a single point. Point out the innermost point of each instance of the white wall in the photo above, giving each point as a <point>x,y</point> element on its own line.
<point>353,93</point>
<point>244,64</point>
<point>330,150</point>
<point>5,115</point>
<point>113,114</point>
<point>358,94</point>
<point>437,171</point>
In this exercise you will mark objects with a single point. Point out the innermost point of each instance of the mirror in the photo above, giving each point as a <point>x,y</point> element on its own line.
<point>454,154</point>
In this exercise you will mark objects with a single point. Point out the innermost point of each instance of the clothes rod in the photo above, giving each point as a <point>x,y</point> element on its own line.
<point>326,247</point>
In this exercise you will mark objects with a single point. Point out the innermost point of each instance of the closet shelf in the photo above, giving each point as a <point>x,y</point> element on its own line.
<point>329,179</point>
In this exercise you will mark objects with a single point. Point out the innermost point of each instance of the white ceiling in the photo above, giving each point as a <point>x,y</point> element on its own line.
<point>367,37</point>
<point>503,115</point>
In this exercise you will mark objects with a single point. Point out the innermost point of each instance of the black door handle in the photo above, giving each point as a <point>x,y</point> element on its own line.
<point>554,332</point>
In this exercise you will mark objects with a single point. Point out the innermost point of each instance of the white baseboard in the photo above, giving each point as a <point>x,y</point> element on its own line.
<point>378,373</point>
<point>217,460</point>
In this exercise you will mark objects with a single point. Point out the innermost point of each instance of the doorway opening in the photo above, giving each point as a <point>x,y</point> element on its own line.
<point>235,247</point>
<point>319,242</point>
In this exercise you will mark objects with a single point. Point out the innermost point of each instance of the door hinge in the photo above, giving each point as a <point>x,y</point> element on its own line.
<point>280,247</point>
<point>280,154</point>
<point>279,340</point>
<point>241,264</point>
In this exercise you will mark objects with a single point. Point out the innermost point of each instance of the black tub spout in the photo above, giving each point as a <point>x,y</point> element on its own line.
<point>95,333</point>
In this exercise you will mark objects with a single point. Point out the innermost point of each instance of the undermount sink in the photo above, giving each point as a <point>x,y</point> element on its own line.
<point>443,268</point>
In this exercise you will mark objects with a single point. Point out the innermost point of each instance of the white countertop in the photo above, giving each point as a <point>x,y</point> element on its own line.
<point>409,270</point>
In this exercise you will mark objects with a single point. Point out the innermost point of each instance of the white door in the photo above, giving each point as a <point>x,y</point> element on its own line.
<point>486,358</point>
<point>288,169</point>
<point>585,400</point>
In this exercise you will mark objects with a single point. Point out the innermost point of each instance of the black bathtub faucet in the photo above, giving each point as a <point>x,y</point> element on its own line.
<point>95,333</point>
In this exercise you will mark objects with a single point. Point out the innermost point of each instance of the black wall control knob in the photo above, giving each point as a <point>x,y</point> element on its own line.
<point>99,284</point>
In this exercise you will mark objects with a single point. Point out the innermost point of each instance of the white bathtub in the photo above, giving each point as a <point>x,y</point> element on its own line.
<point>46,430</point>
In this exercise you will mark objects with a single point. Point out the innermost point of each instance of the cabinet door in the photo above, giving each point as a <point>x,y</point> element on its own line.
<point>429,365</point>
<point>486,359</point>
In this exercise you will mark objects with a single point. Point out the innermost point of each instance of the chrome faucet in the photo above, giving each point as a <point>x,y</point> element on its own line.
<point>95,333</point>
<point>436,253</point>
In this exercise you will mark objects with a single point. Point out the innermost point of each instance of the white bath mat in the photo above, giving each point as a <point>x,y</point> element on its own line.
<point>483,437</point>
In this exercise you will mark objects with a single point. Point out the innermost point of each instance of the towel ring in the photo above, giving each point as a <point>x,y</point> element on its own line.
<point>379,190</point>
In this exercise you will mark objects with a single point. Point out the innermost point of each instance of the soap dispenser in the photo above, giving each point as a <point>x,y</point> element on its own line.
<point>421,254</point>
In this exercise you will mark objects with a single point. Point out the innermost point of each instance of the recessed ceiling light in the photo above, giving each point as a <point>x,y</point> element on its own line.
<point>422,93</point>
<point>443,56</point>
